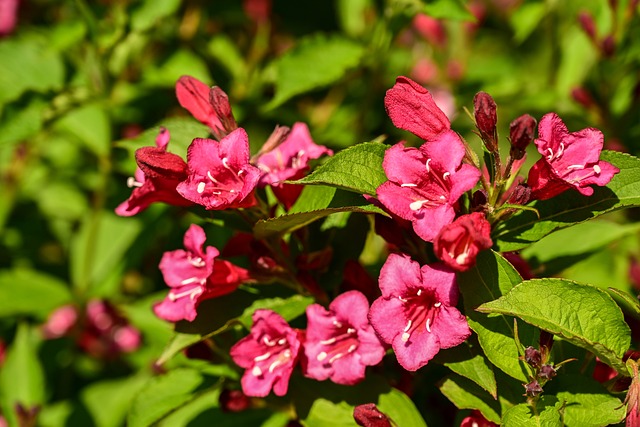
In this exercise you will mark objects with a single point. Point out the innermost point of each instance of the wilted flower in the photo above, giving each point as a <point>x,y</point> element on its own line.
<point>368,415</point>
<point>416,313</point>
<point>269,354</point>
<point>570,160</point>
<point>340,342</point>
<point>219,173</point>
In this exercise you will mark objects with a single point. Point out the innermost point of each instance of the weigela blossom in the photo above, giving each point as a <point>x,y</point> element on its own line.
<point>289,161</point>
<point>570,160</point>
<point>459,243</point>
<point>411,107</point>
<point>476,419</point>
<point>156,178</point>
<point>219,173</point>
<point>269,354</point>
<point>209,105</point>
<point>193,277</point>
<point>425,183</point>
<point>340,343</point>
<point>416,313</point>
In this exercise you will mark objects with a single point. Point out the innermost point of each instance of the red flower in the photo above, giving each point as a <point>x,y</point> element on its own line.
<point>459,243</point>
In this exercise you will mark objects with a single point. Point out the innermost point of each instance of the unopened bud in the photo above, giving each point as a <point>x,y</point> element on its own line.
<point>533,389</point>
<point>533,357</point>
<point>479,200</point>
<point>547,372</point>
<point>520,195</point>
<point>582,97</point>
<point>222,108</point>
<point>484,110</point>
<point>368,415</point>
<point>608,46</point>
<point>233,401</point>
<point>521,133</point>
<point>587,23</point>
<point>546,342</point>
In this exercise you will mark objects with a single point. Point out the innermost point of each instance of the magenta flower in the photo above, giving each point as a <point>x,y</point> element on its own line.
<point>340,343</point>
<point>570,160</point>
<point>424,184</point>
<point>60,322</point>
<point>269,354</point>
<point>156,178</point>
<point>289,161</point>
<point>8,16</point>
<point>411,107</point>
<point>186,273</point>
<point>209,105</point>
<point>459,243</point>
<point>219,173</point>
<point>416,313</point>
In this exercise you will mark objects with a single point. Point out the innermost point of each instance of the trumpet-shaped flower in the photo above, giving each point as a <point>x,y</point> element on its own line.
<point>219,173</point>
<point>416,313</point>
<point>459,243</point>
<point>156,178</point>
<point>424,184</point>
<point>269,354</point>
<point>340,343</point>
<point>570,160</point>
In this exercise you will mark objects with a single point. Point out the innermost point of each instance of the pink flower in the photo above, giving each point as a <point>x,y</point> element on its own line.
<point>476,419</point>
<point>424,184</point>
<point>193,277</point>
<point>269,354</point>
<point>570,160</point>
<point>340,342</point>
<point>219,173</point>
<point>60,322</point>
<point>416,313</point>
<point>459,243</point>
<point>411,107</point>
<point>210,106</point>
<point>289,161</point>
<point>156,178</point>
<point>106,333</point>
<point>8,16</point>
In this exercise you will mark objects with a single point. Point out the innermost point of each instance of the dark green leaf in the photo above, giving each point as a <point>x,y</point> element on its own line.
<point>91,125</point>
<point>316,61</point>
<point>630,302</point>
<point>357,168</point>
<point>289,308</point>
<point>400,408</point>
<point>567,309</point>
<point>466,394</point>
<point>19,124</point>
<point>109,401</point>
<point>468,362</point>
<point>18,288</point>
<point>491,278</point>
<point>163,394</point>
<point>571,207</point>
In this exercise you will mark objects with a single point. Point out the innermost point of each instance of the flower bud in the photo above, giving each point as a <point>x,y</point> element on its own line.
<point>608,46</point>
<point>220,103</point>
<point>368,415</point>
<point>520,195</point>
<point>588,25</point>
<point>533,357</point>
<point>233,401</point>
<point>484,109</point>
<point>521,133</point>
<point>633,396</point>
<point>582,97</point>
<point>533,389</point>
<point>547,372</point>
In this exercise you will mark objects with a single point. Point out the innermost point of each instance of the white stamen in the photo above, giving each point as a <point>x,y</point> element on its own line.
<point>262,357</point>
<point>211,177</point>
<point>419,292</point>
<point>201,187</point>
<point>281,341</point>
<point>550,156</point>
<point>193,280</point>
<point>274,365</point>
<point>197,262</point>
<point>428,325</point>
<point>408,185</point>
<point>336,357</point>
<point>328,342</point>
<point>269,343</point>
<point>462,258</point>
<point>405,337</point>
<point>575,167</point>
<point>445,175</point>
<point>417,205</point>
<point>352,348</point>
<point>442,197</point>
<point>597,169</point>
<point>321,356</point>
<point>193,293</point>
<point>256,371</point>
<point>351,331</point>
<point>406,328</point>
<point>401,299</point>
<point>561,150</point>
<point>131,182</point>
<point>427,165</point>
<point>240,172</point>
<point>337,324</point>
<point>438,304</point>
<point>225,163</point>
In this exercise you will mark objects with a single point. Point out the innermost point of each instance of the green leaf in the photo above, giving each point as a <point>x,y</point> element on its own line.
<point>316,61</point>
<point>572,207</point>
<point>226,52</point>
<point>180,62</point>
<point>526,18</point>
<point>163,394</point>
<point>357,168</point>
<point>454,10</point>
<point>19,124</point>
<point>19,286</point>
<point>567,309</point>
<point>552,254</point>
<point>630,302</point>
<point>289,308</point>
<point>467,361</point>
<point>152,11</point>
<point>22,377</point>
<point>178,343</point>
<point>586,402</point>
<point>547,414</point>
<point>490,278</point>
<point>91,125</point>
<point>108,401</point>
<point>400,408</point>
<point>466,394</point>
<point>32,66</point>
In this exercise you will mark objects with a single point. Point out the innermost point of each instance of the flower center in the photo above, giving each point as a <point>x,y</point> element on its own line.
<point>344,341</point>
<point>420,310</point>
<point>277,354</point>
<point>433,193</point>
<point>227,180</point>
<point>192,293</point>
